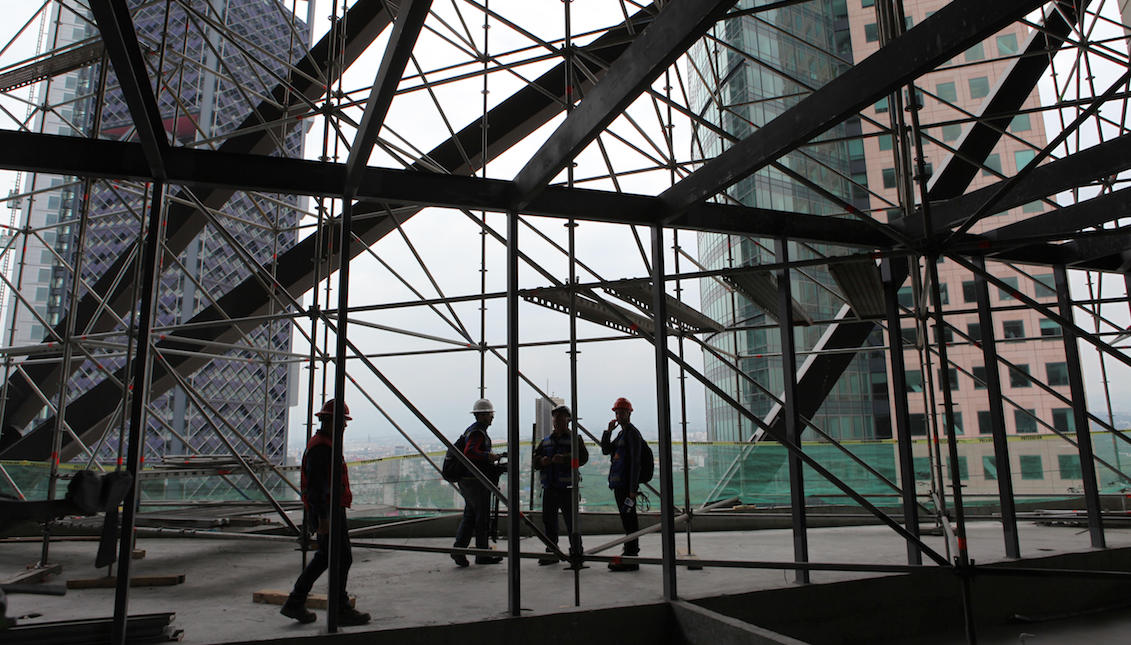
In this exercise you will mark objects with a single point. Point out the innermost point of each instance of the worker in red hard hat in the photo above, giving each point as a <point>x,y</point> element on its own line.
<point>317,462</point>
<point>624,475</point>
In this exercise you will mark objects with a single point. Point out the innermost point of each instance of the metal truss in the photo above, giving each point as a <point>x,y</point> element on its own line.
<point>176,139</point>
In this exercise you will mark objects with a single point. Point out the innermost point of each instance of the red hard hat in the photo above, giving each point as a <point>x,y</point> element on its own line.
<point>328,410</point>
<point>622,404</point>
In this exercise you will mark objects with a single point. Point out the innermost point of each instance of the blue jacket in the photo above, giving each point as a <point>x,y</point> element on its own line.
<point>559,475</point>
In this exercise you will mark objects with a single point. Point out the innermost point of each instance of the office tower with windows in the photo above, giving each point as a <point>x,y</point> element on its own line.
<point>212,63</point>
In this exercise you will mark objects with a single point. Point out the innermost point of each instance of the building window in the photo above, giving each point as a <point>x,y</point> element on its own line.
<point>1007,44</point>
<point>985,422</point>
<point>867,3</point>
<point>1036,206</point>
<point>1050,328</point>
<point>882,105</point>
<point>917,424</point>
<point>979,372</point>
<point>905,297</point>
<point>946,92</point>
<point>977,52</point>
<point>969,291</point>
<point>1045,285</point>
<point>1013,330</point>
<point>989,467</point>
<point>974,331</point>
<point>953,374</point>
<point>1025,421</point>
<point>1063,420</point>
<point>1031,467</point>
<point>951,132</point>
<point>963,469</point>
<point>993,165</point>
<point>1023,157</point>
<point>910,335</point>
<point>979,87</point>
<point>1019,376</point>
<point>1020,123</point>
<point>1057,373</point>
<point>885,141</point>
<point>914,379</point>
<point>1007,294</point>
<point>871,32</point>
<point>947,334</point>
<point>1069,466</point>
<point>889,177</point>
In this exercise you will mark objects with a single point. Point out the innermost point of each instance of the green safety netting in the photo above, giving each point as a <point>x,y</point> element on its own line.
<point>1042,466</point>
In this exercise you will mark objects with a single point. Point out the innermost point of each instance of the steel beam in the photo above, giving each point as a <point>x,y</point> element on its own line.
<point>406,30</point>
<point>1063,222</point>
<point>117,28</point>
<point>952,29</point>
<point>1016,84</point>
<point>677,27</point>
<point>659,308</point>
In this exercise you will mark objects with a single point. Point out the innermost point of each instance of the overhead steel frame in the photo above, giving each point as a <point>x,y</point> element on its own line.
<point>681,206</point>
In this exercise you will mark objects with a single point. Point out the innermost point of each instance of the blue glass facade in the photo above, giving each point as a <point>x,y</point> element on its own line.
<point>752,70</point>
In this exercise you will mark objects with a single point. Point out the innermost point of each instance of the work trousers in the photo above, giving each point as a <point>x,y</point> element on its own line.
<point>628,520</point>
<point>553,501</point>
<point>476,513</point>
<point>321,560</point>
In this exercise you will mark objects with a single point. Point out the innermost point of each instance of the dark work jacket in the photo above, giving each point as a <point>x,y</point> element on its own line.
<point>477,447</point>
<point>559,475</point>
<point>624,468</point>
<point>315,476</point>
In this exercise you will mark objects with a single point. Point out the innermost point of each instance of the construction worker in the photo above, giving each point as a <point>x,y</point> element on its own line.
<point>624,475</point>
<point>476,496</point>
<point>553,457</point>
<point>317,462</point>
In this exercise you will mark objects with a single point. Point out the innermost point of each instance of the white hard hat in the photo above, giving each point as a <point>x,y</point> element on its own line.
<point>482,405</point>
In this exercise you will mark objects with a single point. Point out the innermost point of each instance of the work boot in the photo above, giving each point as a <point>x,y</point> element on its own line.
<point>623,566</point>
<point>349,616</point>
<point>488,559</point>
<point>296,609</point>
<point>460,560</point>
<point>549,558</point>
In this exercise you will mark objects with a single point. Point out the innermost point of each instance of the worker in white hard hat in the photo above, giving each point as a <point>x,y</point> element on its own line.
<point>555,460</point>
<point>476,496</point>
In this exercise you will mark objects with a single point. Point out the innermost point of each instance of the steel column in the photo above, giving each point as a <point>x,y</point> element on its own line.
<point>663,414</point>
<point>899,402</point>
<point>138,395</point>
<point>1080,410</point>
<point>988,343</point>
<point>793,426</point>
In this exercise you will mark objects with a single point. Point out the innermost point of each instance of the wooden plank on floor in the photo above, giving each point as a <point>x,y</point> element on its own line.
<point>136,581</point>
<point>33,574</point>
<point>275,597</point>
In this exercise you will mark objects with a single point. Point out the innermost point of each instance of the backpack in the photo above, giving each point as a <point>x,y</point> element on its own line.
<point>647,462</point>
<point>453,469</point>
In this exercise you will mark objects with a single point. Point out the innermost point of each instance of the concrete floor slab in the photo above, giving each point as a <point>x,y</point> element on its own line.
<point>405,589</point>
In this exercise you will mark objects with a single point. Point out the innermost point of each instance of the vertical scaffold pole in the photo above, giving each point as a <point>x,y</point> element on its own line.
<point>338,532</point>
<point>514,579</point>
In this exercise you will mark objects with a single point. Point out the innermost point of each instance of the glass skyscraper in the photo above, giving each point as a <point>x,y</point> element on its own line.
<point>747,72</point>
